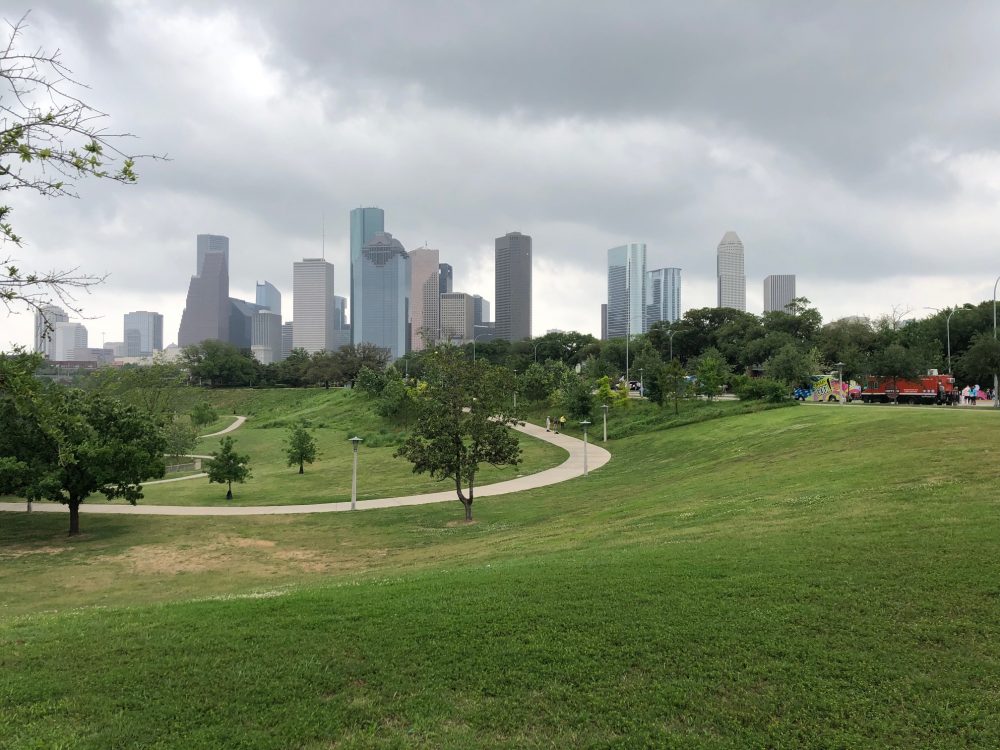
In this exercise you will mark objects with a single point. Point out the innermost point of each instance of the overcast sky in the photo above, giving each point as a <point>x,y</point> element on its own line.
<point>855,146</point>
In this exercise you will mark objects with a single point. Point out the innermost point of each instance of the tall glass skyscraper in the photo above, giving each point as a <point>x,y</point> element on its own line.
<point>143,333</point>
<point>383,289</point>
<point>268,296</point>
<point>365,223</point>
<point>732,280</point>
<point>513,287</point>
<point>626,290</point>
<point>663,296</point>
<point>425,298</point>
<point>206,311</point>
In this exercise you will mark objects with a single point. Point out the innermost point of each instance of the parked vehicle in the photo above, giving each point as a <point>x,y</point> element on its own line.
<point>827,388</point>
<point>928,389</point>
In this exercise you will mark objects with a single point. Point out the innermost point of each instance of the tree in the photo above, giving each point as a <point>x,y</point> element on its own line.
<point>981,361</point>
<point>300,446</point>
<point>791,365</point>
<point>154,387</point>
<point>667,382</point>
<point>711,373</point>
<point>578,398</point>
<point>65,445</point>
<point>219,363</point>
<point>227,466</point>
<point>179,437</point>
<point>49,138</point>
<point>202,414</point>
<point>463,415</point>
<point>897,362</point>
<point>354,357</point>
<point>325,367</point>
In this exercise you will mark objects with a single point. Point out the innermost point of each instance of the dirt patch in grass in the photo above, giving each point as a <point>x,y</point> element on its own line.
<point>24,551</point>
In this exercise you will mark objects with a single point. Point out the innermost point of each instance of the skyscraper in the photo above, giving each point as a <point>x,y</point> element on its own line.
<point>69,342</point>
<point>383,289</point>
<point>604,321</point>
<point>241,315</point>
<point>206,312</point>
<point>313,305</point>
<point>268,296</point>
<point>513,286</point>
<point>457,317</point>
<point>45,325</point>
<point>143,333</point>
<point>266,336</point>
<point>425,298</point>
<point>446,273</point>
<point>341,328</point>
<point>287,339</point>
<point>482,308</point>
<point>365,222</point>
<point>626,290</point>
<point>732,280</point>
<point>779,291</point>
<point>663,296</point>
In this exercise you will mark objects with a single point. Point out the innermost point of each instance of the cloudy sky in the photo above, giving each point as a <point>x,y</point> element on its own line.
<point>854,145</point>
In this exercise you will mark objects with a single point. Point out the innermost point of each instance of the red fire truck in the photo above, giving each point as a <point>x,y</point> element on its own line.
<point>928,389</point>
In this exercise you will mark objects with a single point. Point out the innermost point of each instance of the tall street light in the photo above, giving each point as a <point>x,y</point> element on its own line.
<point>354,475</point>
<point>585,423</point>
<point>996,395</point>
<point>534,351</point>
<point>605,407</point>
<point>840,384</point>
<point>947,328</point>
<point>640,382</point>
<point>474,344</point>
<point>670,335</point>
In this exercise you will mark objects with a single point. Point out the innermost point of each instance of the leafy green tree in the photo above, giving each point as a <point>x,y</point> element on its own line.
<point>673,382</point>
<point>395,401</point>
<point>463,419</point>
<point>179,437</point>
<point>761,389</point>
<point>324,368</point>
<point>49,139</point>
<point>300,446</point>
<point>899,363</point>
<point>203,413</point>
<point>354,358</point>
<point>227,466</point>
<point>791,365</point>
<point>578,398</point>
<point>219,363</point>
<point>604,393</point>
<point>711,373</point>
<point>370,381</point>
<point>623,399</point>
<point>293,368</point>
<point>982,360</point>
<point>154,387</point>
<point>63,444</point>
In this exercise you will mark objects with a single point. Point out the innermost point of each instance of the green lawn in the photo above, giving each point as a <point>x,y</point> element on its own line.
<point>806,577</point>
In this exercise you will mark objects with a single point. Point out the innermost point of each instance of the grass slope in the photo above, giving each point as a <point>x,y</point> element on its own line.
<point>800,578</point>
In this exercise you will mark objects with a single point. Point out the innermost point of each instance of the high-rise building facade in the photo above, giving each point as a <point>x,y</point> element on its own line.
<point>383,288</point>
<point>446,274</point>
<point>143,333</point>
<point>732,280</point>
<point>626,290</point>
<point>458,314</point>
<point>341,328</point>
<point>266,336</point>
<point>45,324</point>
<point>313,305</point>
<point>241,315</point>
<point>425,298</point>
<point>268,297</point>
<point>206,311</point>
<point>287,339</point>
<point>779,291</point>
<point>663,296</point>
<point>513,286</point>
<point>604,321</point>
<point>365,223</point>
<point>69,342</point>
<point>482,308</point>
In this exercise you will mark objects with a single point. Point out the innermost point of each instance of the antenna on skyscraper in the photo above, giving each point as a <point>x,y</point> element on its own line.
<point>324,235</point>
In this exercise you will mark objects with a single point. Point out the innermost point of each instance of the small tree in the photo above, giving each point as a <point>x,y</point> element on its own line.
<point>622,398</point>
<point>202,414</point>
<point>463,415</point>
<point>227,466</point>
<point>578,398</point>
<point>300,446</point>
<point>673,381</point>
<point>179,436</point>
<point>711,374</point>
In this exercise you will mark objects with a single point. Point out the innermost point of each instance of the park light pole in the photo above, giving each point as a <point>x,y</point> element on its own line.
<point>947,328</point>
<point>840,377</point>
<point>474,344</point>
<point>354,475</point>
<point>605,407</point>
<point>670,335</point>
<point>996,394</point>
<point>640,383</point>
<point>515,390</point>
<point>534,351</point>
<point>585,423</point>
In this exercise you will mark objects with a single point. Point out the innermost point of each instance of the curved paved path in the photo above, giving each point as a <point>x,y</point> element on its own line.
<point>237,423</point>
<point>568,469</point>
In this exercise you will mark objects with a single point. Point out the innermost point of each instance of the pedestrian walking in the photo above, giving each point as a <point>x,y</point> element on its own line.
<point>548,423</point>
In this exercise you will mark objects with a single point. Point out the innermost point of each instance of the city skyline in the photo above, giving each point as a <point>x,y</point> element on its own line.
<point>738,142</point>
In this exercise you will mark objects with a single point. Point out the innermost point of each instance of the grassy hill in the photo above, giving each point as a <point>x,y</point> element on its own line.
<point>809,577</point>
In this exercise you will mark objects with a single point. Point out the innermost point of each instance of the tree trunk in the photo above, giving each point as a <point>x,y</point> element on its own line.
<point>29,506</point>
<point>74,517</point>
<point>468,509</point>
<point>301,468</point>
<point>229,492</point>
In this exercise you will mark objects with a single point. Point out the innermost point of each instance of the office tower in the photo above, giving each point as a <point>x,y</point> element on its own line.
<point>211,243</point>
<point>341,328</point>
<point>268,297</point>
<point>626,290</point>
<point>365,222</point>
<point>143,333</point>
<point>287,339</point>
<point>779,291</point>
<point>45,324</point>
<point>663,296</point>
<point>206,311</point>
<point>383,287</point>
<point>313,305</point>
<point>732,281</point>
<point>241,315</point>
<point>69,341</point>
<point>117,348</point>
<point>265,342</point>
<point>425,298</point>
<point>513,286</point>
<point>458,315</point>
<point>484,331</point>
<point>604,321</point>
<point>445,272</point>
<point>482,308</point>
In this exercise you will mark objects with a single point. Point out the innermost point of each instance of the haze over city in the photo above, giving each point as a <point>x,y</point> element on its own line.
<point>843,146</point>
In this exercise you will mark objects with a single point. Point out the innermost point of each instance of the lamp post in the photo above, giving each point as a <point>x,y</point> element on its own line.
<point>947,328</point>
<point>585,423</point>
<point>996,395</point>
<point>515,390</point>
<point>840,376</point>
<point>534,351</point>
<point>670,335</point>
<point>605,407</point>
<point>354,475</point>
<point>640,382</point>
<point>474,344</point>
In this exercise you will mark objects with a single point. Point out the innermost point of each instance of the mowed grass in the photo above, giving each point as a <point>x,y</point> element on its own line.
<point>808,577</point>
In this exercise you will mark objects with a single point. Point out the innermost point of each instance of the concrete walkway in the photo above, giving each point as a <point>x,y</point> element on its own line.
<point>234,426</point>
<point>569,469</point>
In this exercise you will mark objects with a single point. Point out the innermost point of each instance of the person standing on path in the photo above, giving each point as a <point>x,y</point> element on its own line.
<point>548,423</point>
<point>562,422</point>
